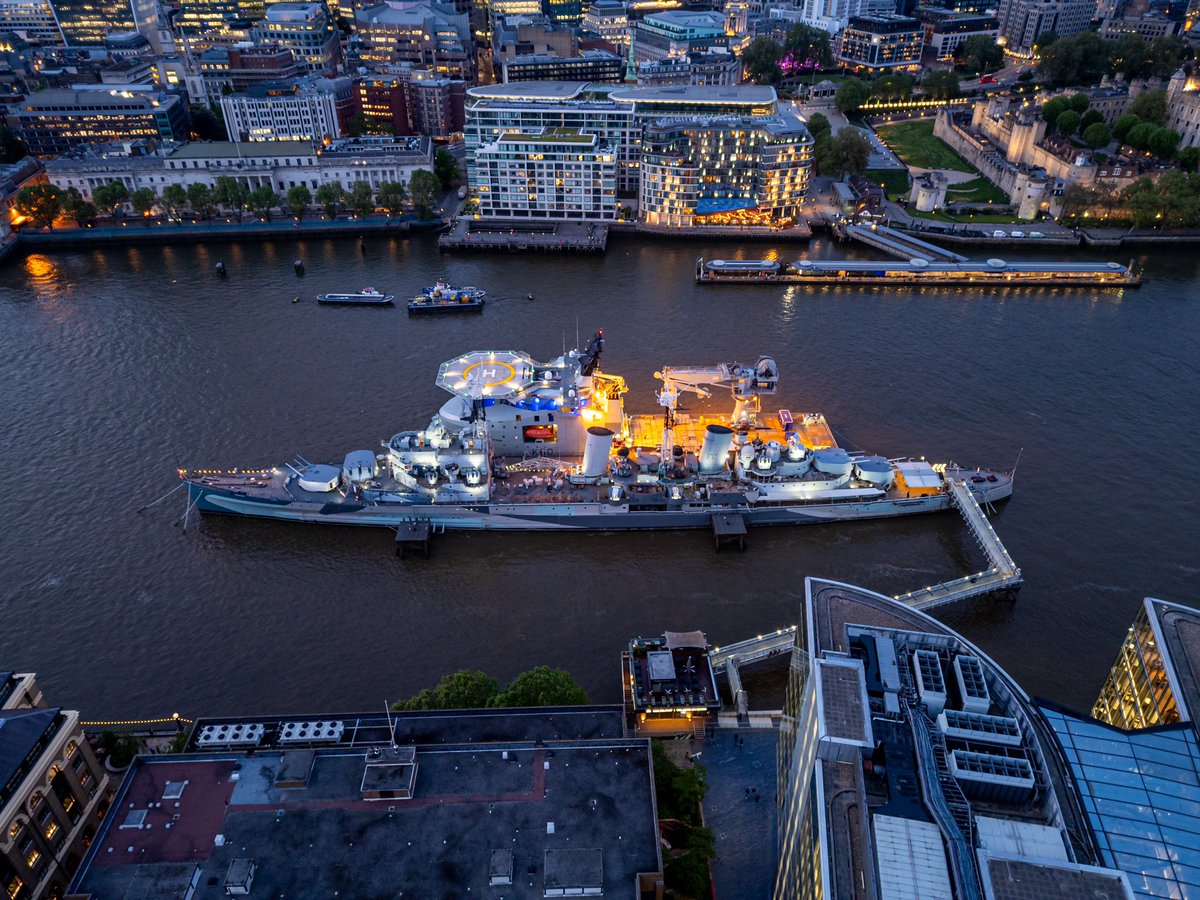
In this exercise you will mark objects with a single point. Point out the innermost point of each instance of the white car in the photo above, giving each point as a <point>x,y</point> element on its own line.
<point>1019,234</point>
<point>999,234</point>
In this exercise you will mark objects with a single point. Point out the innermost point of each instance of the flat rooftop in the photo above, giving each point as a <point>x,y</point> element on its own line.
<point>531,90</point>
<point>1021,879</point>
<point>696,93</point>
<point>322,839</point>
<point>1180,627</point>
<point>223,149</point>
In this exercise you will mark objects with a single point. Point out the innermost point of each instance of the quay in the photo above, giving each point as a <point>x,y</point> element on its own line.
<point>523,236</point>
<point>921,272</point>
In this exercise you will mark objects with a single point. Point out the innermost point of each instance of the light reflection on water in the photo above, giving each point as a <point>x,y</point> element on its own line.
<point>114,376</point>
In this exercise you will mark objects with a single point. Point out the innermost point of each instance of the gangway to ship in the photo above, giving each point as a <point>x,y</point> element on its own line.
<point>901,245</point>
<point>727,659</point>
<point>1003,573</point>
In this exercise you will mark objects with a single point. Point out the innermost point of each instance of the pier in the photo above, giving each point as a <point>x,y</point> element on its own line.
<point>1003,573</point>
<point>524,236</point>
<point>921,272</point>
<point>899,244</point>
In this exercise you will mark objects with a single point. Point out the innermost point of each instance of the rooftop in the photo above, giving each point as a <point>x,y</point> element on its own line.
<point>566,810</point>
<point>224,149</point>
<point>20,732</point>
<point>1180,626</point>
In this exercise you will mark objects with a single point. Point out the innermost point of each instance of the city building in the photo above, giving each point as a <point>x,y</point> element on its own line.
<point>436,104</point>
<point>312,109</point>
<point>469,803</point>
<point>608,19</point>
<point>554,173</point>
<point>715,67</point>
<point>669,685</point>
<point>32,21</point>
<point>382,101</point>
<point>910,764</point>
<point>598,66</point>
<point>724,171</point>
<point>1022,22</point>
<point>308,30</point>
<point>882,41</point>
<point>280,165</point>
<point>198,16</point>
<point>86,23</point>
<point>829,15</point>
<point>564,12</point>
<point>616,115</point>
<point>423,35</point>
<point>1150,25</point>
<point>52,121</point>
<point>128,72</point>
<point>53,793</point>
<point>676,33</point>
<point>1183,107</point>
<point>946,30</point>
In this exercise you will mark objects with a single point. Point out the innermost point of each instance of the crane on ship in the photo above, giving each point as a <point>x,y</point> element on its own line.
<point>745,383</point>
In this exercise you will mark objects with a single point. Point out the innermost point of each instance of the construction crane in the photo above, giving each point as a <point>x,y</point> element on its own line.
<point>745,383</point>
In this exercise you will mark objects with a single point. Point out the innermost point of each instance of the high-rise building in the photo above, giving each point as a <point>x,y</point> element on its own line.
<point>306,29</point>
<point>32,21</point>
<point>677,33</point>
<point>1022,22</point>
<point>53,121</point>
<point>53,792</point>
<point>564,12</point>
<point>198,16</point>
<point>554,173</point>
<point>724,170</point>
<point>883,41</point>
<point>420,34</point>
<point>608,19</point>
<point>382,102</point>
<point>85,23</point>
<point>310,109</point>
<point>597,66</point>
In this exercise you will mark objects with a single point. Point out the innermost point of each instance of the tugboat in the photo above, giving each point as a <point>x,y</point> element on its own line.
<point>444,298</point>
<point>367,296</point>
<point>547,446</point>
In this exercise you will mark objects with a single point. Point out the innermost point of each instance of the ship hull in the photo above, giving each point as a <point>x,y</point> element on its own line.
<point>566,516</point>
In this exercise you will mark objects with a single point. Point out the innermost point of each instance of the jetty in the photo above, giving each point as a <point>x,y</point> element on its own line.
<point>917,272</point>
<point>524,236</point>
<point>899,244</point>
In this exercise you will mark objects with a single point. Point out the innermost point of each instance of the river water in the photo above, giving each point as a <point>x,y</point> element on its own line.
<point>120,365</point>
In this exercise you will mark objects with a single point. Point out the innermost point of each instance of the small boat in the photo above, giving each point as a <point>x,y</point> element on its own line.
<point>368,296</point>
<point>444,298</point>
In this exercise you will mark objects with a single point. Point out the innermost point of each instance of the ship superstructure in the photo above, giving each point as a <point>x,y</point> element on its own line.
<point>526,445</point>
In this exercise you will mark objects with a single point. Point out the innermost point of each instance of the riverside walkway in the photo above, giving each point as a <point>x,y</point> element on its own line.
<point>901,245</point>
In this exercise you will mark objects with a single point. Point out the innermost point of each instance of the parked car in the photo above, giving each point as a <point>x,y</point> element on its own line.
<point>999,234</point>
<point>1036,234</point>
<point>1018,234</point>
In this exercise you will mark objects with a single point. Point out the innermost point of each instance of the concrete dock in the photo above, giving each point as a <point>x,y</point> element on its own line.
<point>525,236</point>
<point>899,244</point>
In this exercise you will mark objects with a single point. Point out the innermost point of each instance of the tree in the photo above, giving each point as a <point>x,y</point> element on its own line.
<point>1044,40</point>
<point>445,167</point>
<point>329,196</point>
<point>1124,125</point>
<point>1165,54</point>
<point>1138,137</point>
<point>818,125</point>
<point>1097,135</point>
<point>851,94</point>
<point>111,197</point>
<point>1149,107</point>
<point>207,124</point>
<point>1130,56</point>
<point>1076,199</point>
<point>120,750</point>
<point>423,187</point>
<point>361,199</point>
<point>541,686</point>
<point>466,689</point>
<point>941,85</point>
<point>391,197</point>
<point>73,204</point>
<point>262,200</point>
<point>1067,122</point>
<point>200,199</point>
<point>892,87</point>
<point>143,201</point>
<point>12,148</point>
<point>174,197</point>
<point>1079,101</point>
<point>807,47</point>
<point>230,194</point>
<point>980,53</point>
<point>760,60</point>
<point>1055,107</point>
<point>1188,159</point>
<point>1090,118</point>
<point>41,203</point>
<point>1163,142</point>
<point>299,199</point>
<point>853,150</point>
<point>1081,59</point>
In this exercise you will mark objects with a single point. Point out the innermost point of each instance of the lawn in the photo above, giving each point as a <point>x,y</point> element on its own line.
<point>975,219</point>
<point>894,181</point>
<point>977,190</point>
<point>916,146</point>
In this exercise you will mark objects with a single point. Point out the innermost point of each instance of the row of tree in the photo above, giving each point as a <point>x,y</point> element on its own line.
<point>766,61</point>
<point>854,92</point>
<point>470,689</point>
<point>1173,201</point>
<point>845,153</point>
<point>1087,57</point>
<point>43,203</point>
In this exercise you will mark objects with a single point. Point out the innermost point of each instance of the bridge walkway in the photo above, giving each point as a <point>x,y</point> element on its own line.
<point>899,244</point>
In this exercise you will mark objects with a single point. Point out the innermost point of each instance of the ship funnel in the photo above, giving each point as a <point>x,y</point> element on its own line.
<point>715,451</point>
<point>595,452</point>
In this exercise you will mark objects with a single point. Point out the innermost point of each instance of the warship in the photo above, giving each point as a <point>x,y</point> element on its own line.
<point>523,445</point>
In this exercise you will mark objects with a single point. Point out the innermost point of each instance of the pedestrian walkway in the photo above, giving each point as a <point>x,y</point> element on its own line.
<point>740,766</point>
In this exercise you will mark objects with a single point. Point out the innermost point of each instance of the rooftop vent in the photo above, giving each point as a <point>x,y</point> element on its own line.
<point>240,877</point>
<point>237,734</point>
<point>311,732</point>
<point>971,726</point>
<point>991,777</point>
<point>500,868</point>
<point>972,687</point>
<point>931,685</point>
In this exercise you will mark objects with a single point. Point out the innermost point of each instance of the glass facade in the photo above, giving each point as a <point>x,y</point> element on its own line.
<point>1137,692</point>
<point>86,23</point>
<point>1141,792</point>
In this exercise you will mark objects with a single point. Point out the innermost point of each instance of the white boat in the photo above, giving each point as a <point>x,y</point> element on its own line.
<point>368,296</point>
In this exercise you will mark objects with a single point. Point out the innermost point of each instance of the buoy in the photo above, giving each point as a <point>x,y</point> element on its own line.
<point>298,265</point>
<point>295,299</point>
<point>529,296</point>
<point>221,269</point>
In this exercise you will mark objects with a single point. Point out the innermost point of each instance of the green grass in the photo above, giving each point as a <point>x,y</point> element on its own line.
<point>976,219</point>
<point>916,146</point>
<point>977,190</point>
<point>895,182</point>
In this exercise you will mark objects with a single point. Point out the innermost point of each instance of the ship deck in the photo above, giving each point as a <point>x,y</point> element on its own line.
<point>814,431</point>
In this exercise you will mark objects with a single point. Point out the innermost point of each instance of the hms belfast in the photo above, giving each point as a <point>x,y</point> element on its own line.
<point>528,446</point>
